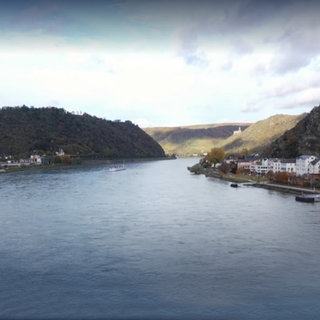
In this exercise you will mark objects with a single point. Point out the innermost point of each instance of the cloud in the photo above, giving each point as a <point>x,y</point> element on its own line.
<point>250,15</point>
<point>295,43</point>
<point>33,16</point>
<point>296,94</point>
<point>249,107</point>
<point>162,61</point>
<point>196,59</point>
<point>297,50</point>
<point>307,99</point>
<point>292,87</point>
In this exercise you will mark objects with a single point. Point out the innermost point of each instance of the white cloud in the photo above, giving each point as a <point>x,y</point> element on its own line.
<point>149,61</point>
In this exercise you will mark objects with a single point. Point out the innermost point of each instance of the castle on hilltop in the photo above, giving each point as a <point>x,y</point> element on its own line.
<point>237,131</point>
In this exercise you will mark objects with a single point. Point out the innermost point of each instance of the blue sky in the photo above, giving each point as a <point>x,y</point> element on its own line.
<point>162,63</point>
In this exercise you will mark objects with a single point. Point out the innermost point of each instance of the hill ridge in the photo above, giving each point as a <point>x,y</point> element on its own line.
<point>304,138</point>
<point>253,138</point>
<point>24,130</point>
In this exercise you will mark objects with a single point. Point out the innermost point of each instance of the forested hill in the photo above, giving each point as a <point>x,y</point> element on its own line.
<point>25,130</point>
<point>304,138</point>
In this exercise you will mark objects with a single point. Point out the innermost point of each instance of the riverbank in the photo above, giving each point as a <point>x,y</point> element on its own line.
<point>82,163</point>
<point>284,188</point>
<point>259,182</point>
<point>252,181</point>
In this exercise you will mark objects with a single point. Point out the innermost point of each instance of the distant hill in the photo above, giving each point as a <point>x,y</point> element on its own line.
<point>260,134</point>
<point>187,140</point>
<point>304,138</point>
<point>26,130</point>
<point>253,138</point>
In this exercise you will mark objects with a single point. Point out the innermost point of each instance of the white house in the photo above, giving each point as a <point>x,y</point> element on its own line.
<point>273,165</point>
<point>36,159</point>
<point>303,164</point>
<point>288,166</point>
<point>260,168</point>
<point>60,153</point>
<point>314,166</point>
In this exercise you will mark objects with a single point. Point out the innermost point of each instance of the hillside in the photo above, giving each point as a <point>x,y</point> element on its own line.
<point>197,139</point>
<point>304,138</point>
<point>26,130</point>
<point>188,140</point>
<point>260,134</point>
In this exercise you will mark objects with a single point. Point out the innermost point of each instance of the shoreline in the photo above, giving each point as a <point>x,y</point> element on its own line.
<point>284,188</point>
<point>246,181</point>
<point>83,163</point>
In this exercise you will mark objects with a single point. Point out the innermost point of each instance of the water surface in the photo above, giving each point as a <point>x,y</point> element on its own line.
<point>154,242</point>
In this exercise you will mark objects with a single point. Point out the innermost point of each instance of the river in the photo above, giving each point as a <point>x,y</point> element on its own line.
<point>154,242</point>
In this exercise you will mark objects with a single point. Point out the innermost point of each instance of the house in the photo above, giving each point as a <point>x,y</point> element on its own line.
<point>282,165</point>
<point>45,160</point>
<point>60,153</point>
<point>288,166</point>
<point>273,165</point>
<point>260,167</point>
<point>314,166</point>
<point>303,164</point>
<point>39,160</point>
<point>244,165</point>
<point>35,159</point>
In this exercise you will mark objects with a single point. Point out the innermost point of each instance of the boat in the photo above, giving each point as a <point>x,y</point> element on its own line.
<point>117,168</point>
<point>234,185</point>
<point>311,198</point>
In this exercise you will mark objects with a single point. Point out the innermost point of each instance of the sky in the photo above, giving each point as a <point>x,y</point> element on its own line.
<point>162,63</point>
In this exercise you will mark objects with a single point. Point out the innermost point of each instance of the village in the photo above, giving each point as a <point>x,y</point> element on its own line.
<point>9,162</point>
<point>301,171</point>
<point>300,166</point>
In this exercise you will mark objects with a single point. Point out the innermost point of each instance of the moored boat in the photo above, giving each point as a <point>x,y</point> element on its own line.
<point>311,198</point>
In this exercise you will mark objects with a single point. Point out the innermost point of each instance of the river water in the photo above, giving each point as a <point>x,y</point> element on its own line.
<point>154,242</point>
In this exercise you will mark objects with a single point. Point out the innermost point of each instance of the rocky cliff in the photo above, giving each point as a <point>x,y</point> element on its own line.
<point>304,138</point>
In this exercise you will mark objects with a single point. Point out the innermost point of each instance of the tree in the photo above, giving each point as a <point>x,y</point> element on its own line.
<point>23,130</point>
<point>282,177</point>
<point>225,167</point>
<point>215,156</point>
<point>244,153</point>
<point>233,167</point>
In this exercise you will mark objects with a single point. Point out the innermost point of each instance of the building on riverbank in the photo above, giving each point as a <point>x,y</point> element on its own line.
<point>302,165</point>
<point>262,167</point>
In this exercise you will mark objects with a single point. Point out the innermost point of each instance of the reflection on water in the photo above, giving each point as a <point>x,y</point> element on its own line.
<point>154,242</point>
